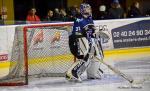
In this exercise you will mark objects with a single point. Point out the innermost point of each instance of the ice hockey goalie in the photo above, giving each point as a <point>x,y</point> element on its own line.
<point>85,46</point>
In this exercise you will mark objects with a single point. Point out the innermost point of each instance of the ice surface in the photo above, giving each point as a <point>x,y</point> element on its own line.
<point>136,66</point>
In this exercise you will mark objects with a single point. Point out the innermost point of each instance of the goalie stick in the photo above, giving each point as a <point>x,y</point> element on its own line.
<point>132,81</point>
<point>118,72</point>
<point>129,79</point>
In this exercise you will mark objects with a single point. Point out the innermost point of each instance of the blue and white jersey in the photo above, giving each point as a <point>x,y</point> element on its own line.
<point>83,25</point>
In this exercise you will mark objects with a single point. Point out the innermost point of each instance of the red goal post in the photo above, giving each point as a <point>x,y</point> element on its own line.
<point>39,50</point>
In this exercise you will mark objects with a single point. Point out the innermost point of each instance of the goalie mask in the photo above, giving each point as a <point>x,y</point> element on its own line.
<point>85,10</point>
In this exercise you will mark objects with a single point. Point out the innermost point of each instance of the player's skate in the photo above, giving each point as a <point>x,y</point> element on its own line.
<point>73,74</point>
<point>70,76</point>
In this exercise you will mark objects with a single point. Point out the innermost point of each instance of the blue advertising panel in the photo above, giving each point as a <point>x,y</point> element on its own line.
<point>135,34</point>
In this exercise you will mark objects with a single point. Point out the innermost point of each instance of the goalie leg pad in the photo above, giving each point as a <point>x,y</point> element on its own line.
<point>79,47</point>
<point>94,71</point>
<point>76,70</point>
<point>98,49</point>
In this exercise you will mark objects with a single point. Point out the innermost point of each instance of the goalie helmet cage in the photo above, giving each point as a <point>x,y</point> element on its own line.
<point>20,71</point>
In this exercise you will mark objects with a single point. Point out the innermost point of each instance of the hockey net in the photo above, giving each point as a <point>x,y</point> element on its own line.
<point>39,51</point>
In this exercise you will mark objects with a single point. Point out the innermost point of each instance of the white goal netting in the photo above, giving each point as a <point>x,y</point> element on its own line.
<point>39,51</point>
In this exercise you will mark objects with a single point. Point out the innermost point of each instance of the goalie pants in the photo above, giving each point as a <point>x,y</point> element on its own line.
<point>89,51</point>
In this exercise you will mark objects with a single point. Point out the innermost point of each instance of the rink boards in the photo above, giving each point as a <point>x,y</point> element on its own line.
<point>111,57</point>
<point>119,37</point>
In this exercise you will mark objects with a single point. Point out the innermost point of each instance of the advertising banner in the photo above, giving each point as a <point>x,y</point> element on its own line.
<point>135,34</point>
<point>124,33</point>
